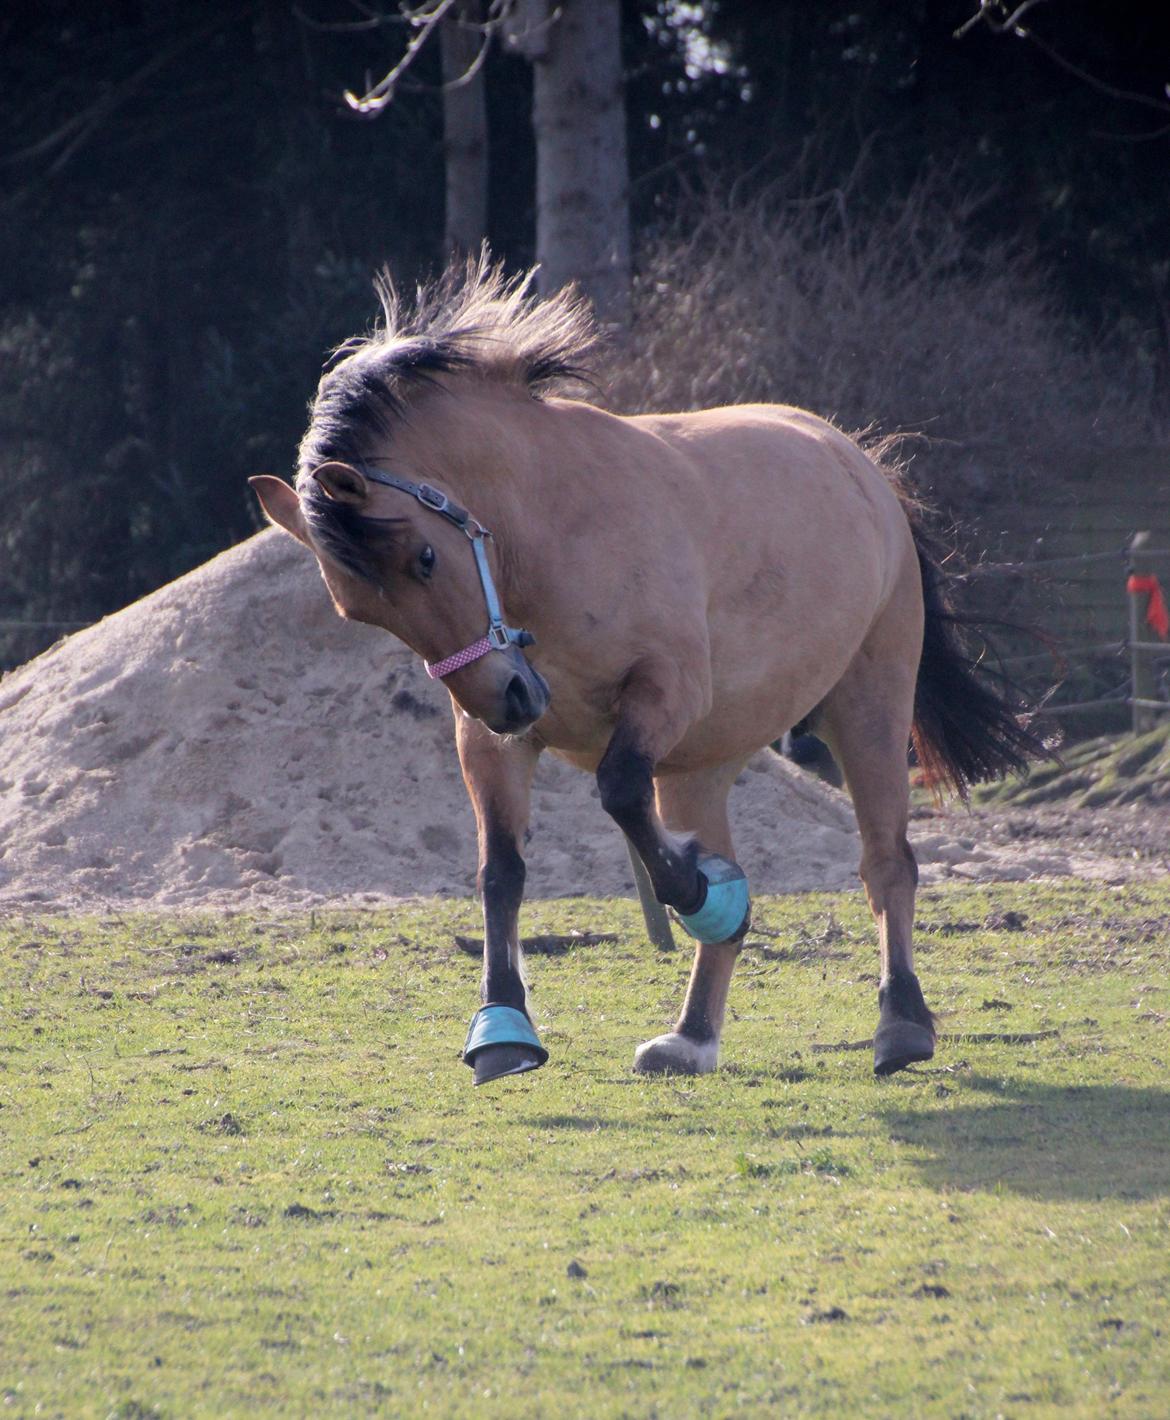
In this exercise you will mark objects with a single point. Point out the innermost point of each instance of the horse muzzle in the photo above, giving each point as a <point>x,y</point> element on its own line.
<point>525,699</point>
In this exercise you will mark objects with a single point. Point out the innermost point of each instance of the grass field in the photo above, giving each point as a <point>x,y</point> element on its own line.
<point>242,1170</point>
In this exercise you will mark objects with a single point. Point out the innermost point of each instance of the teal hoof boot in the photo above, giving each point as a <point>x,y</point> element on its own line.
<point>501,1041</point>
<point>726,910</point>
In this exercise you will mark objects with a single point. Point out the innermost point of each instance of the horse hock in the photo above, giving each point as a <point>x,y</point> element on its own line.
<point>501,1041</point>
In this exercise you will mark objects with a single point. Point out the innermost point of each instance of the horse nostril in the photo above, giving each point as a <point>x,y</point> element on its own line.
<point>517,699</point>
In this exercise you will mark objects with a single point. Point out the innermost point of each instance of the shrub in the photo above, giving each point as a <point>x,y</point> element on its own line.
<point>894,319</point>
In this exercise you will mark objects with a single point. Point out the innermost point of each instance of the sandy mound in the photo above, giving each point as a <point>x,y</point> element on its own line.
<point>229,741</point>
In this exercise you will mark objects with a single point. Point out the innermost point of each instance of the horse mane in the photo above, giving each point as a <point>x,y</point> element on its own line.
<point>472,318</point>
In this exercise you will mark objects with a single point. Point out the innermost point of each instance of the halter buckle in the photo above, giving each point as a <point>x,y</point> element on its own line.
<point>498,636</point>
<point>432,498</point>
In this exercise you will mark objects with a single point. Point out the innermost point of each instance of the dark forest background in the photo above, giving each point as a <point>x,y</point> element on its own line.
<point>191,219</point>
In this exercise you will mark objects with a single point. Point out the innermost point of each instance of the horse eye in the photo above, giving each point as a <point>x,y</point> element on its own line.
<point>426,560</point>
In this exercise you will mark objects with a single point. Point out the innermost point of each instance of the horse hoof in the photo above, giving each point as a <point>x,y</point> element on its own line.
<point>493,1062</point>
<point>726,909</point>
<point>905,1033</point>
<point>674,1054</point>
<point>501,1041</point>
<point>901,1043</point>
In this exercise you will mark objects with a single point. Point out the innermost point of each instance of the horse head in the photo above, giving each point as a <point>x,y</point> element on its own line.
<point>400,555</point>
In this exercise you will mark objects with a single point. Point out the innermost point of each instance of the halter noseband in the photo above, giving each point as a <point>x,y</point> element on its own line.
<point>499,636</point>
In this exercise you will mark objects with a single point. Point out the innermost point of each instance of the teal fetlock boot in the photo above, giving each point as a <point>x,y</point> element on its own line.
<point>726,910</point>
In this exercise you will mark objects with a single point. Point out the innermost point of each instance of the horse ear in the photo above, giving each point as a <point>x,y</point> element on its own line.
<point>281,505</point>
<point>342,483</point>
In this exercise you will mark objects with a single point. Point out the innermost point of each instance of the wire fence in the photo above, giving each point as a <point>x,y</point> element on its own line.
<point>1144,687</point>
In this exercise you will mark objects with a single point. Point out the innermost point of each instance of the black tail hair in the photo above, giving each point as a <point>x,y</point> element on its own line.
<point>964,731</point>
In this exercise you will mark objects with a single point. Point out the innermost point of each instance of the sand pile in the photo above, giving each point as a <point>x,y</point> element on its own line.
<point>229,741</point>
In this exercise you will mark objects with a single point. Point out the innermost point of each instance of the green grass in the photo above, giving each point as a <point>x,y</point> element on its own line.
<point>242,1171</point>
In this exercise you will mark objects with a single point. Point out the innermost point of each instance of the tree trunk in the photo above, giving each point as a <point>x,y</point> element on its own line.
<point>582,177</point>
<point>464,128</point>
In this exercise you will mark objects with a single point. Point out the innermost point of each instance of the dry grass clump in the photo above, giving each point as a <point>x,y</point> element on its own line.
<point>897,320</point>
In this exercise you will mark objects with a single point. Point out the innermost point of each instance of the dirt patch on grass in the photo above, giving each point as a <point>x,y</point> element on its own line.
<point>1111,842</point>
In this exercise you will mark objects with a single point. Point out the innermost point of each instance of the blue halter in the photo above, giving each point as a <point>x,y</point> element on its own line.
<point>499,635</point>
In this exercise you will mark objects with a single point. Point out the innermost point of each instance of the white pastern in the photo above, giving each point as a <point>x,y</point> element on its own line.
<point>675,1054</point>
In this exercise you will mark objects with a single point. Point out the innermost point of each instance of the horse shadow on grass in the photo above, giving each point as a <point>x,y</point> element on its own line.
<point>581,1123</point>
<point>1072,1142</point>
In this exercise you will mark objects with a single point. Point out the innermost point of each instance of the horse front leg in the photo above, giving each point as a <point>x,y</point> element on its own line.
<point>696,875</point>
<point>498,774</point>
<point>696,803</point>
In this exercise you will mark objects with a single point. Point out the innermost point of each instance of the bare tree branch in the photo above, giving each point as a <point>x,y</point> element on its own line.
<point>468,75</point>
<point>1127,95</point>
<point>990,11</point>
<point>344,27</point>
<point>528,36</point>
<point>1000,20</point>
<point>426,19</point>
<point>373,18</point>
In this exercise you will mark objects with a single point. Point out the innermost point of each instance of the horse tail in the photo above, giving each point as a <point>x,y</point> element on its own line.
<point>965,731</point>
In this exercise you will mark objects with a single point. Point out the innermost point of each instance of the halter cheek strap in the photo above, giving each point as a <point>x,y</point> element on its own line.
<point>499,636</point>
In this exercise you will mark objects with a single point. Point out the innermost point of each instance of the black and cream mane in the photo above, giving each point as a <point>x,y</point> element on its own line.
<point>472,318</point>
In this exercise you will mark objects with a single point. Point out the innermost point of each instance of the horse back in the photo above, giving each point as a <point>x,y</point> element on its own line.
<point>791,497</point>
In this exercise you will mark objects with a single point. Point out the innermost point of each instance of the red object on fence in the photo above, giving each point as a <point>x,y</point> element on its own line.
<point>1157,617</point>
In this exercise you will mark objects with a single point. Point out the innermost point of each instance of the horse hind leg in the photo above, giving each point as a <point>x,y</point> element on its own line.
<point>696,803</point>
<point>865,720</point>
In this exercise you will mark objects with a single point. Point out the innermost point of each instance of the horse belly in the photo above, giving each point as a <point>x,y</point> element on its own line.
<point>780,646</point>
